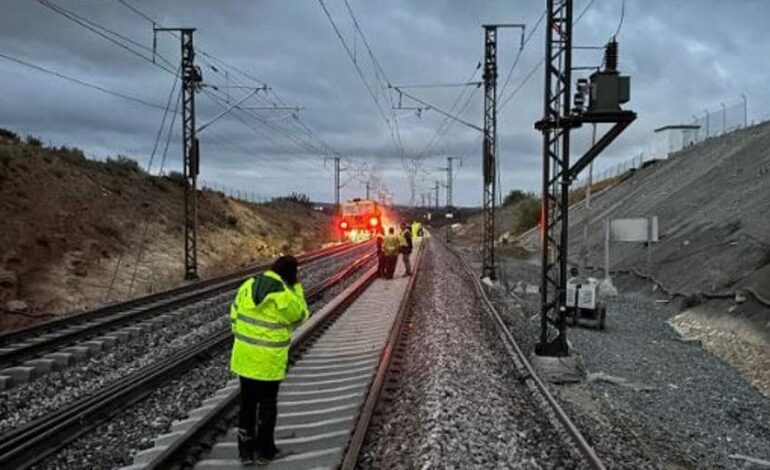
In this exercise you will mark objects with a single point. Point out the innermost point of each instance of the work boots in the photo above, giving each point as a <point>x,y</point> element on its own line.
<point>247,447</point>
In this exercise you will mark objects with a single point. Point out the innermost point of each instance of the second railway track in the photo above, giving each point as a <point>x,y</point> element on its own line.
<point>28,444</point>
<point>57,344</point>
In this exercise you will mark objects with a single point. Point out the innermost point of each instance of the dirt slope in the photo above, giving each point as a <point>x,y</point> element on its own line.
<point>69,224</point>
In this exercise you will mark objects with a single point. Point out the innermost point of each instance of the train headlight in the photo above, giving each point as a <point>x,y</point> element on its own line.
<point>374,221</point>
<point>343,225</point>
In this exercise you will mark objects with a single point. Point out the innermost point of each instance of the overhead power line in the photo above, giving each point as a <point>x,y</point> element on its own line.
<point>83,83</point>
<point>534,69</point>
<point>112,36</point>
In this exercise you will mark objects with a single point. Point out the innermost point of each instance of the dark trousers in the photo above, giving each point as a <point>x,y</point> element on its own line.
<point>258,434</point>
<point>390,266</point>
<point>381,264</point>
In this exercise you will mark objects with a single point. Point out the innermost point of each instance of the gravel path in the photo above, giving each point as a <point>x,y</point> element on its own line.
<point>114,443</point>
<point>674,393</point>
<point>456,402</point>
<point>198,320</point>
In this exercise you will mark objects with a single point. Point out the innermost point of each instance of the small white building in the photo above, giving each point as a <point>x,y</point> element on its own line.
<point>673,138</point>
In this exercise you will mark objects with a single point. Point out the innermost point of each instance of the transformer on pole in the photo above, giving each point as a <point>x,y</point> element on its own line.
<point>606,90</point>
<point>191,80</point>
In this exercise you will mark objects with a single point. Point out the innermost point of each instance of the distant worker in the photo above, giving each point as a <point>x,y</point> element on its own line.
<point>391,246</point>
<point>380,255</point>
<point>405,242</point>
<point>416,230</point>
<point>265,311</point>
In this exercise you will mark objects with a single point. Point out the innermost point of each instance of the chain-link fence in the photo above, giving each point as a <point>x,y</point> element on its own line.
<point>612,172</point>
<point>725,118</point>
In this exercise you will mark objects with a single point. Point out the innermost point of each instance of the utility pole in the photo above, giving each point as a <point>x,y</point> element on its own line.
<point>607,91</point>
<point>587,223</point>
<point>191,79</point>
<point>367,190</point>
<point>436,189</point>
<point>449,180</point>
<point>489,147</point>
<point>724,118</point>
<point>745,110</point>
<point>337,185</point>
<point>337,182</point>
<point>489,151</point>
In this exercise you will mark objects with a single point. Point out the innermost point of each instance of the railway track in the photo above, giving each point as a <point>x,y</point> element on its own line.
<point>339,363</point>
<point>32,442</point>
<point>529,373</point>
<point>28,353</point>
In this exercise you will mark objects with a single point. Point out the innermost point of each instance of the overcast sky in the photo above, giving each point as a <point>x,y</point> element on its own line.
<point>683,56</point>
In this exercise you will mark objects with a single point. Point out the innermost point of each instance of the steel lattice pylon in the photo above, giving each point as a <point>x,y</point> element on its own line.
<point>556,178</point>
<point>489,151</point>
<point>191,77</point>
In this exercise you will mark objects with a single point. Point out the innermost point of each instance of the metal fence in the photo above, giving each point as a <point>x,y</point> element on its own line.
<point>608,173</point>
<point>234,193</point>
<point>725,118</point>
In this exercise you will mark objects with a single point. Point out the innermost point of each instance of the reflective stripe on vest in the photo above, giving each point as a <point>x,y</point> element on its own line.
<point>264,324</point>
<point>262,342</point>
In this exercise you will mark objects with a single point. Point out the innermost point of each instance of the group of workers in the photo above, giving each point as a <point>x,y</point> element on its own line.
<point>266,309</point>
<point>389,246</point>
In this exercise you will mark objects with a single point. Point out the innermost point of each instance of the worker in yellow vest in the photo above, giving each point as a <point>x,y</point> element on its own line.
<point>266,309</point>
<point>416,230</point>
<point>391,246</point>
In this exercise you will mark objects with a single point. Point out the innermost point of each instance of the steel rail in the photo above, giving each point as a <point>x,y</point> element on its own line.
<point>32,442</point>
<point>67,320</point>
<point>367,411</point>
<point>92,323</point>
<point>183,452</point>
<point>528,372</point>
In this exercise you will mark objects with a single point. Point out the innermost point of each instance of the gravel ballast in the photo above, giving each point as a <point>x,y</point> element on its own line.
<point>114,443</point>
<point>194,322</point>
<point>671,392</point>
<point>456,402</point>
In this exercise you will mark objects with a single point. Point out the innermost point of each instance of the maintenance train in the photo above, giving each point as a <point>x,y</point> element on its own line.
<point>361,219</point>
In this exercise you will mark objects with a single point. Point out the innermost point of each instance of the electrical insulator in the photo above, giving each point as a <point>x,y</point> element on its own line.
<point>611,56</point>
<point>581,90</point>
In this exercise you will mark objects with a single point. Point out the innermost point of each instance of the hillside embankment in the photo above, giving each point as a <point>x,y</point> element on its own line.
<point>76,233</point>
<point>713,257</point>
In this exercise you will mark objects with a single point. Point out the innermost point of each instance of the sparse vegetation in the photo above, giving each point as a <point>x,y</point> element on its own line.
<point>529,214</point>
<point>175,177</point>
<point>524,208</point>
<point>296,198</point>
<point>34,141</point>
<point>122,165</point>
<point>6,134</point>
<point>515,196</point>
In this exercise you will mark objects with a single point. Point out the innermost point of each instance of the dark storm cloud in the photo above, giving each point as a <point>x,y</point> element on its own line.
<point>684,57</point>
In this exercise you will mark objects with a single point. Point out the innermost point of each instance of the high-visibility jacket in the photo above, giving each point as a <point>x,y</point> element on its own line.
<point>391,244</point>
<point>263,315</point>
<point>416,230</point>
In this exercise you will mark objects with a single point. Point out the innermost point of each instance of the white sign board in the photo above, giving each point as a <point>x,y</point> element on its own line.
<point>639,229</point>
<point>449,215</point>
